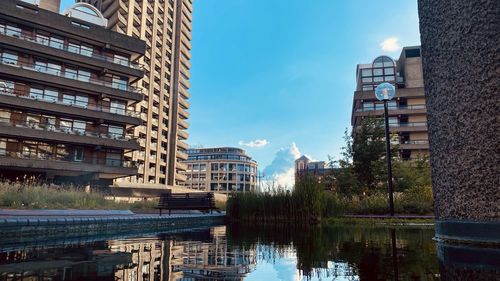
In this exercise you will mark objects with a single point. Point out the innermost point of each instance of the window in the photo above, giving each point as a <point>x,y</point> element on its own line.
<point>377,72</point>
<point>78,154</point>
<point>115,131</point>
<point>393,122</point>
<point>56,42</point>
<point>79,126</point>
<point>9,58</point>
<point>42,39</point>
<point>117,107</point>
<point>13,31</point>
<point>81,101</point>
<point>366,79</point>
<point>120,59</point>
<point>86,50</point>
<point>389,71</point>
<point>367,106</point>
<point>119,83</point>
<point>47,67</point>
<point>113,159</point>
<point>83,75</point>
<point>7,86</point>
<point>65,125</point>
<point>68,99</point>
<point>71,73</point>
<point>50,95</point>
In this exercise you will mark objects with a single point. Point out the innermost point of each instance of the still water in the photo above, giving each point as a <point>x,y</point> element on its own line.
<point>234,253</point>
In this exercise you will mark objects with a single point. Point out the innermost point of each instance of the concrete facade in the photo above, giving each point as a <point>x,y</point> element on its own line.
<point>65,96</point>
<point>407,111</point>
<point>166,28</point>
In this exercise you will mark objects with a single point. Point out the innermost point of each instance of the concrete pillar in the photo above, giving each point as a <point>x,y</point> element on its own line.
<point>461,66</point>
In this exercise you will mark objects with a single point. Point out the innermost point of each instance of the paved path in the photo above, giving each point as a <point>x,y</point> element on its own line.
<point>389,217</point>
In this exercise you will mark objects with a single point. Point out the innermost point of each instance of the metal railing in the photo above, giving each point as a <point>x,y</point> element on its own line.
<point>413,124</point>
<point>29,36</point>
<point>111,162</point>
<point>70,102</point>
<point>46,126</point>
<point>398,107</point>
<point>58,72</point>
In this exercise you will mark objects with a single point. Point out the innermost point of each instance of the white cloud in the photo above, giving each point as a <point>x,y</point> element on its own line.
<point>390,44</point>
<point>255,143</point>
<point>281,172</point>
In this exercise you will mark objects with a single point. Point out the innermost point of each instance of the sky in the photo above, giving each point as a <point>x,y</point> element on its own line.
<point>276,77</point>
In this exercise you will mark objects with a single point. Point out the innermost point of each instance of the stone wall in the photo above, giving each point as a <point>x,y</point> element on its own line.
<point>461,65</point>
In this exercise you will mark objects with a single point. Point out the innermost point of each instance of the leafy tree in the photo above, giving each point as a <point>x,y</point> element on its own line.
<point>409,174</point>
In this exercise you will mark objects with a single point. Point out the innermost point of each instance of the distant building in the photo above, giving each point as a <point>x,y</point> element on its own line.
<point>66,94</point>
<point>407,111</point>
<point>318,169</point>
<point>220,169</point>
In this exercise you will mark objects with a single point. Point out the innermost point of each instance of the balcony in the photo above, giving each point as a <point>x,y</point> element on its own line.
<point>414,144</point>
<point>399,109</point>
<point>67,165</point>
<point>181,155</point>
<point>28,70</point>
<point>23,99</point>
<point>408,127</point>
<point>51,132</point>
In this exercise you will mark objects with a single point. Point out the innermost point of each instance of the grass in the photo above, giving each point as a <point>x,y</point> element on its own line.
<point>18,195</point>
<point>309,202</point>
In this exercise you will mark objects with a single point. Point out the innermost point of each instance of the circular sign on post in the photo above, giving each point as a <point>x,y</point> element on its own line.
<point>385,91</point>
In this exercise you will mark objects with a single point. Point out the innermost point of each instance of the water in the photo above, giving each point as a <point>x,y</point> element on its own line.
<point>235,253</point>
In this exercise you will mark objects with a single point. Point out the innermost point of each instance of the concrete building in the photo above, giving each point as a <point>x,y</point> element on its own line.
<point>65,94</point>
<point>407,111</point>
<point>166,28</point>
<point>304,167</point>
<point>220,169</point>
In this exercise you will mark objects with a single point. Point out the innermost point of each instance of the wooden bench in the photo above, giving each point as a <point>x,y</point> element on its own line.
<point>187,201</point>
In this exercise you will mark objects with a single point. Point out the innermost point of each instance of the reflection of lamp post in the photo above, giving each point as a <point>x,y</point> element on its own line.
<point>385,92</point>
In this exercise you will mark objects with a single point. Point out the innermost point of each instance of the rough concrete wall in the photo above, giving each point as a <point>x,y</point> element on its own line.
<point>461,64</point>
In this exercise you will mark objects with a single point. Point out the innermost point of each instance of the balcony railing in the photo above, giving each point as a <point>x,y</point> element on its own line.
<point>110,162</point>
<point>6,30</point>
<point>412,124</point>
<point>400,107</point>
<point>58,72</point>
<point>70,102</point>
<point>46,126</point>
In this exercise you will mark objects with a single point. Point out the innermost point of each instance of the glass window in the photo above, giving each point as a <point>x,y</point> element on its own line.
<point>83,75</point>
<point>54,69</point>
<point>377,72</point>
<point>366,72</point>
<point>392,104</point>
<point>79,126</point>
<point>56,42</point>
<point>378,79</point>
<point>42,39</point>
<point>86,50</point>
<point>13,31</point>
<point>379,106</point>
<point>70,73</point>
<point>367,106</point>
<point>68,99</point>
<point>367,87</point>
<point>9,58</point>
<point>81,101</point>
<point>389,70</point>
<point>389,78</point>
<point>366,79</point>
<point>117,107</point>
<point>66,125</point>
<point>36,93</point>
<point>120,59</point>
<point>203,167</point>
<point>40,66</point>
<point>115,131</point>
<point>74,48</point>
<point>119,83</point>
<point>113,159</point>
<point>214,167</point>
<point>51,95</point>
<point>393,121</point>
<point>78,154</point>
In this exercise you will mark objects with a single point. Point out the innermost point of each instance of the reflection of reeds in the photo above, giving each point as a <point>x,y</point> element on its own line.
<point>29,194</point>
<point>308,202</point>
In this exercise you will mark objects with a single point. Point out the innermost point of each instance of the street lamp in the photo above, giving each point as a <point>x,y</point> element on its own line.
<point>386,92</point>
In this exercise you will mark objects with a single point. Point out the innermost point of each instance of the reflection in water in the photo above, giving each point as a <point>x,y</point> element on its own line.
<point>244,252</point>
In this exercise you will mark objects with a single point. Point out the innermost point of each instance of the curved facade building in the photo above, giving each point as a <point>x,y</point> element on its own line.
<point>220,169</point>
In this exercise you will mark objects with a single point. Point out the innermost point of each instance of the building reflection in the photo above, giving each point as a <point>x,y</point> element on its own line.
<point>196,255</point>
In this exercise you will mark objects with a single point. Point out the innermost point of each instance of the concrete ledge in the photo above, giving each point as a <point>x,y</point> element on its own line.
<point>465,231</point>
<point>6,212</point>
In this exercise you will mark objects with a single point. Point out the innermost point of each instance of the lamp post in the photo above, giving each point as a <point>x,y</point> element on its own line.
<point>386,92</point>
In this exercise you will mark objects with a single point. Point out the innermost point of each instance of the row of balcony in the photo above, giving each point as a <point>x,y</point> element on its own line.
<point>58,72</point>
<point>31,37</point>
<point>69,102</point>
<point>397,107</point>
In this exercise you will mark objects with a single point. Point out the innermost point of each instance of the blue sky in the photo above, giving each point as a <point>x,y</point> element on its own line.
<point>283,71</point>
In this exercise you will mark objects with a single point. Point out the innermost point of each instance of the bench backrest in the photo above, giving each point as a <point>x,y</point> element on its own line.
<point>204,200</point>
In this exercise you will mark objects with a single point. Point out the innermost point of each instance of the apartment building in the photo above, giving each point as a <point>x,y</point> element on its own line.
<point>407,111</point>
<point>305,167</point>
<point>165,25</point>
<point>220,169</point>
<point>65,94</point>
